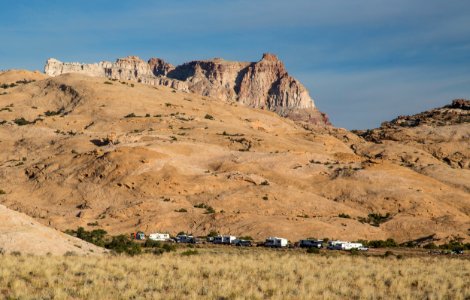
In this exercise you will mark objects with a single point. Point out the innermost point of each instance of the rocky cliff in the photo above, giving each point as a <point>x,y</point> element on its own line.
<point>265,84</point>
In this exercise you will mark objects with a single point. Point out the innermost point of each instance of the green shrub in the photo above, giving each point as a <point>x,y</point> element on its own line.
<point>313,250</point>
<point>53,113</point>
<point>131,115</point>
<point>375,219</point>
<point>169,247</point>
<point>430,246</point>
<point>96,237</point>
<point>22,121</point>
<point>209,209</point>
<point>189,252</point>
<point>213,233</point>
<point>354,251</point>
<point>388,253</point>
<point>389,243</point>
<point>122,244</point>
<point>152,244</point>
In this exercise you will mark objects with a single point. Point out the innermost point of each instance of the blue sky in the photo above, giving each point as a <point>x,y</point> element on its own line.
<point>363,61</point>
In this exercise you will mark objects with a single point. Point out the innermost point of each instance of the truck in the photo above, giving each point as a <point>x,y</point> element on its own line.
<point>311,243</point>
<point>224,239</point>
<point>276,242</point>
<point>159,237</point>
<point>183,238</point>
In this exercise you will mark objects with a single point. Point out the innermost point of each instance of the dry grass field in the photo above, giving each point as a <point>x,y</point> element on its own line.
<point>233,274</point>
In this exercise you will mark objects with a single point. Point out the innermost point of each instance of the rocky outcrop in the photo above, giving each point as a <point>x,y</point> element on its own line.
<point>265,84</point>
<point>442,132</point>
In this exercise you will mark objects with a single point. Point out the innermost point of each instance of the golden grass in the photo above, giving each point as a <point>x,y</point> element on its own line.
<point>233,274</point>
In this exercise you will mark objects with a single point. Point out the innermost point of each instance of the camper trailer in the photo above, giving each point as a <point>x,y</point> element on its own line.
<point>224,239</point>
<point>276,242</point>
<point>342,245</point>
<point>159,237</point>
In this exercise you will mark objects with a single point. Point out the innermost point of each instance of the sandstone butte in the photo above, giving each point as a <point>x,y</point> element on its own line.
<point>125,156</point>
<point>265,84</point>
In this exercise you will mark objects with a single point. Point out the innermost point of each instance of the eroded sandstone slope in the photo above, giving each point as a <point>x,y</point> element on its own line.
<point>94,152</point>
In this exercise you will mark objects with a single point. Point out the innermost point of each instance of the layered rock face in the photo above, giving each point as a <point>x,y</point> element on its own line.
<point>265,84</point>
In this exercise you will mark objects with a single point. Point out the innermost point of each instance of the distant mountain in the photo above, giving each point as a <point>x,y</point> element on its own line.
<point>265,84</point>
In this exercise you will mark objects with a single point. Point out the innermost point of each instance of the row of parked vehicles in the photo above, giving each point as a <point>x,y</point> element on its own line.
<point>273,242</point>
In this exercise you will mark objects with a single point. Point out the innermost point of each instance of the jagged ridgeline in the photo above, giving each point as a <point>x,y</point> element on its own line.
<point>265,84</point>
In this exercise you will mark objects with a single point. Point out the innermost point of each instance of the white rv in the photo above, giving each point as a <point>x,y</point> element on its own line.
<point>159,237</point>
<point>224,239</point>
<point>342,245</point>
<point>276,242</point>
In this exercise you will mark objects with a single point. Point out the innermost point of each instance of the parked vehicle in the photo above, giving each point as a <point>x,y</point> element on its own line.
<point>342,245</point>
<point>224,239</point>
<point>335,245</point>
<point>159,237</point>
<point>183,238</point>
<point>139,235</point>
<point>276,242</point>
<point>243,243</point>
<point>311,243</point>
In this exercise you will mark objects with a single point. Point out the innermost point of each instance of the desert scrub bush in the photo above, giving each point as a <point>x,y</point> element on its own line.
<point>22,121</point>
<point>208,117</point>
<point>209,209</point>
<point>181,210</point>
<point>2,192</point>
<point>108,82</point>
<point>50,113</point>
<point>345,216</point>
<point>375,219</point>
<point>122,244</point>
<point>388,243</point>
<point>131,115</point>
<point>313,250</point>
<point>96,237</point>
<point>189,252</point>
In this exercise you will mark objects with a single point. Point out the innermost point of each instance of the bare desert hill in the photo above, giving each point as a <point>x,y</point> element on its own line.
<point>20,233</point>
<point>119,155</point>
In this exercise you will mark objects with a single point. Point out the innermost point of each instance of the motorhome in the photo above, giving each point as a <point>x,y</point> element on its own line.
<point>159,237</point>
<point>276,242</point>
